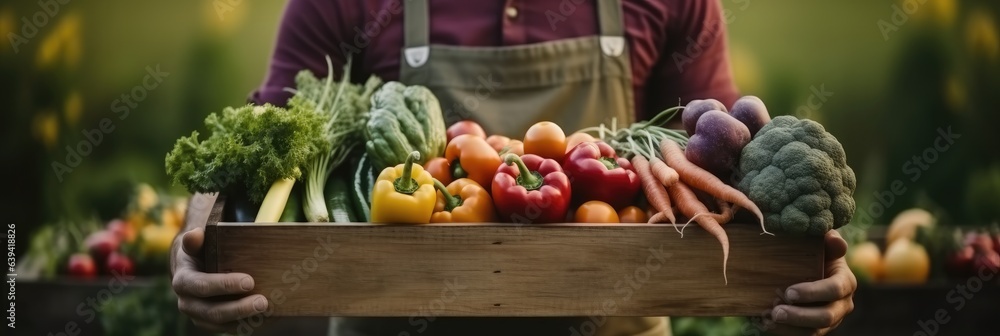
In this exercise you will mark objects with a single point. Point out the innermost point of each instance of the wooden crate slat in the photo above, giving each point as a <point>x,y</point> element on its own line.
<point>511,270</point>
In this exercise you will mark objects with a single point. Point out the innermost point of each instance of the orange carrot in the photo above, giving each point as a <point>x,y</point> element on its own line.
<point>698,178</point>
<point>656,194</point>
<point>666,175</point>
<point>726,211</point>
<point>690,206</point>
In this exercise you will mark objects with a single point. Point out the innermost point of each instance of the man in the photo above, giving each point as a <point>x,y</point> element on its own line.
<point>508,64</point>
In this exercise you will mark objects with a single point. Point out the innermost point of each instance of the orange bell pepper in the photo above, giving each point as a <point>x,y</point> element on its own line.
<point>471,157</point>
<point>463,201</point>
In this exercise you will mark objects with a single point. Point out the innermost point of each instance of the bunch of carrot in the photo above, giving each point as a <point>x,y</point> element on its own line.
<point>670,181</point>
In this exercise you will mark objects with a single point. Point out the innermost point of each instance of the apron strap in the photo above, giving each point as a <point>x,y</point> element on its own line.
<point>416,26</point>
<point>612,26</point>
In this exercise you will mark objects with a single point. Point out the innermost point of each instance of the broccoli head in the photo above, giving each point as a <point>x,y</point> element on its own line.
<point>797,173</point>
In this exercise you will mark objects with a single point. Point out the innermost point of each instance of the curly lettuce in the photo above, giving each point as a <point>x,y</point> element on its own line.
<point>247,149</point>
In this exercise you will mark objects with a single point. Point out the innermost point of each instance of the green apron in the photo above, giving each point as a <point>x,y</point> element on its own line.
<point>577,83</point>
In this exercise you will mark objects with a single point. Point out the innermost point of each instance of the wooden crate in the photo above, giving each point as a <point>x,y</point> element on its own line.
<point>364,269</point>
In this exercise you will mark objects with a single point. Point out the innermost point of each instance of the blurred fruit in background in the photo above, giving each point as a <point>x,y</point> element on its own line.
<point>906,262</point>
<point>974,252</point>
<point>906,223</point>
<point>84,249</point>
<point>865,260</point>
<point>81,266</point>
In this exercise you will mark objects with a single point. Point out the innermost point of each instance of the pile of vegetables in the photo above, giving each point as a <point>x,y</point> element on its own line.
<point>789,174</point>
<point>285,161</point>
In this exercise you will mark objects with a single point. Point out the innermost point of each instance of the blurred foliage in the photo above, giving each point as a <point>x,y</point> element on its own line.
<point>890,96</point>
<point>144,311</point>
<point>710,326</point>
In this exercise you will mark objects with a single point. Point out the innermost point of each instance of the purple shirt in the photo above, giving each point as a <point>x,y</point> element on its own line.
<point>677,47</point>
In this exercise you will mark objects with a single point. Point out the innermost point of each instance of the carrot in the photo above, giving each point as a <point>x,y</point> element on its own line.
<point>690,206</point>
<point>656,194</point>
<point>701,179</point>
<point>726,211</point>
<point>666,175</point>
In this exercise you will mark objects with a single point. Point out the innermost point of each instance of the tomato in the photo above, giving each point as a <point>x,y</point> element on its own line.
<point>596,212</point>
<point>545,139</point>
<point>497,142</point>
<point>515,147</point>
<point>439,169</point>
<point>465,127</point>
<point>632,214</point>
<point>576,138</point>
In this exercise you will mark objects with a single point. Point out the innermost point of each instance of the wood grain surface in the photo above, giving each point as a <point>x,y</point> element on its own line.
<point>510,270</point>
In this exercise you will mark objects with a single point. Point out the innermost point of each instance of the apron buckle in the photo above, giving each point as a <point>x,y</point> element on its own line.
<point>417,56</point>
<point>612,45</point>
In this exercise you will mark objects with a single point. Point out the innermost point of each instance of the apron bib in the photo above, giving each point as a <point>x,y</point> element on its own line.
<point>576,83</point>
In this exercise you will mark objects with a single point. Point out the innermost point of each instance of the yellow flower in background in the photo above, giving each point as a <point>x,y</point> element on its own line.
<point>73,107</point>
<point>224,16</point>
<point>954,93</point>
<point>146,197</point>
<point>7,25</point>
<point>64,40</point>
<point>46,128</point>
<point>71,31</point>
<point>940,12</point>
<point>48,50</point>
<point>981,35</point>
<point>746,71</point>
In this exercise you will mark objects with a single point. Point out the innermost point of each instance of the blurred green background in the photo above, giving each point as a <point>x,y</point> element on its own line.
<point>890,97</point>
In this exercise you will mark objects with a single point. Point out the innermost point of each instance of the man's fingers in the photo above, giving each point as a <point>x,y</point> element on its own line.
<point>222,313</point>
<point>192,242</point>
<point>196,284</point>
<point>840,284</point>
<point>812,317</point>
<point>836,246</point>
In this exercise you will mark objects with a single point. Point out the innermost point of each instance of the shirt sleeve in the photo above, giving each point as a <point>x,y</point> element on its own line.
<point>310,30</point>
<point>694,63</point>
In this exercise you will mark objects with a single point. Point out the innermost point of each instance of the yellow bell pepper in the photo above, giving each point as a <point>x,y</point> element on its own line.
<point>403,194</point>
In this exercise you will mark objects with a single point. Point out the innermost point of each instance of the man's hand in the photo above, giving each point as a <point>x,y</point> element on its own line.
<point>213,301</point>
<point>815,308</point>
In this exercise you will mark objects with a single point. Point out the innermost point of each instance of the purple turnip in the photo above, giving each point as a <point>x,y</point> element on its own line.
<point>716,145</point>
<point>751,111</point>
<point>694,110</point>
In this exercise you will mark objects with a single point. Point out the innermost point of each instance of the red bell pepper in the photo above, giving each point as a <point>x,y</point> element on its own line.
<point>597,174</point>
<point>531,189</point>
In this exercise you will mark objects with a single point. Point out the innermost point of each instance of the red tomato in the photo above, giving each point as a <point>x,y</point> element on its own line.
<point>465,127</point>
<point>440,169</point>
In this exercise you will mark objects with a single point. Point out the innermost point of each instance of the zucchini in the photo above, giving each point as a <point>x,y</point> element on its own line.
<point>239,208</point>
<point>338,199</point>
<point>293,208</point>
<point>362,182</point>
